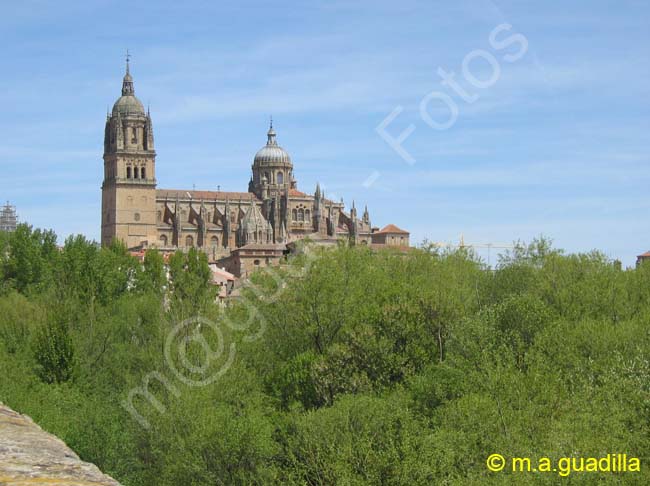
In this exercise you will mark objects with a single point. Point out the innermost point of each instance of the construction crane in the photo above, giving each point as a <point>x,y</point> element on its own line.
<point>489,246</point>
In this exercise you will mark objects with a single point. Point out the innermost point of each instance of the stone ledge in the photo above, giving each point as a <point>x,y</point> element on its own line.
<point>29,455</point>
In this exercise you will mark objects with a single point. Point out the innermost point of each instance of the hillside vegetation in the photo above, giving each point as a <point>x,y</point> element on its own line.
<point>343,367</point>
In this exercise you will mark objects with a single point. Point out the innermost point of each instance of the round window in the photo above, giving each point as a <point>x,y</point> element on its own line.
<point>136,216</point>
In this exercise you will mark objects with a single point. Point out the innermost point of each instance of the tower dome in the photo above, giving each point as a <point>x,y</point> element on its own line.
<point>272,169</point>
<point>271,154</point>
<point>128,104</point>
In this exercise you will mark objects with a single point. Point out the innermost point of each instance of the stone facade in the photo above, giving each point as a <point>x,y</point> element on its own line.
<point>390,235</point>
<point>245,260</point>
<point>272,212</point>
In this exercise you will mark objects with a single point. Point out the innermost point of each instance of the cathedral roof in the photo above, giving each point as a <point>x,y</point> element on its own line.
<point>271,153</point>
<point>234,197</point>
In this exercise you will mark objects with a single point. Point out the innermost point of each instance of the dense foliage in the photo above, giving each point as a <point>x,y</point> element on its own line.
<point>345,366</point>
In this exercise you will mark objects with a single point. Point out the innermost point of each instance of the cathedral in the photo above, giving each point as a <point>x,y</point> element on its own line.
<point>240,230</point>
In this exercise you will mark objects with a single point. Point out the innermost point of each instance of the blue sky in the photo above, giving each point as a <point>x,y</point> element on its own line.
<point>557,145</point>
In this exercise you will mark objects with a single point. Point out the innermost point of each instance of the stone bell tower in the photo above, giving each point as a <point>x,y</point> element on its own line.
<point>129,188</point>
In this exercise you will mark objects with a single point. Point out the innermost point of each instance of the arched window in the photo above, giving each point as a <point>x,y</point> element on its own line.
<point>163,240</point>
<point>259,237</point>
<point>256,262</point>
<point>268,177</point>
<point>232,216</point>
<point>301,214</point>
<point>128,172</point>
<point>134,139</point>
<point>280,178</point>
<point>159,216</point>
<point>214,241</point>
<point>294,214</point>
<point>142,173</point>
<point>189,241</point>
<point>307,215</point>
<point>135,172</point>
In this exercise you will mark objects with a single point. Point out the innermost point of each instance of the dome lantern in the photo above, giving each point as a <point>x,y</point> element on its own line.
<point>272,154</point>
<point>128,104</point>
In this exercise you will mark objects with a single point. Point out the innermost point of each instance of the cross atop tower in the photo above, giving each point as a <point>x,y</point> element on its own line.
<point>271,134</point>
<point>128,58</point>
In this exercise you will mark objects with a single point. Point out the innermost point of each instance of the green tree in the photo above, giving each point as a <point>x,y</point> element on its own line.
<point>78,269</point>
<point>190,275</point>
<point>153,277</point>
<point>117,272</point>
<point>19,316</point>
<point>29,258</point>
<point>54,351</point>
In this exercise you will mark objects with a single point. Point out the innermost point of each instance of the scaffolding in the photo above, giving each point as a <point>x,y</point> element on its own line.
<point>8,218</point>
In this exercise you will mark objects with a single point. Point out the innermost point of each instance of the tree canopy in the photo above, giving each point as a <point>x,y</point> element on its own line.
<point>342,366</point>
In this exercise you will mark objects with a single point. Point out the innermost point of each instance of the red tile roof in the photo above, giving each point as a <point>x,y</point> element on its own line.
<point>218,195</point>
<point>391,228</point>
<point>207,195</point>
<point>221,272</point>
<point>644,255</point>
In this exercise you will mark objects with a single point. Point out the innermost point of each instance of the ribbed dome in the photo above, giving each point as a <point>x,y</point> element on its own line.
<point>128,104</point>
<point>271,153</point>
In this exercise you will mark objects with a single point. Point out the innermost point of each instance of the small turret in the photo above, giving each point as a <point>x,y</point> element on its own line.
<point>148,129</point>
<point>254,228</point>
<point>285,210</point>
<point>226,224</point>
<point>119,132</point>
